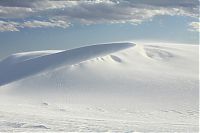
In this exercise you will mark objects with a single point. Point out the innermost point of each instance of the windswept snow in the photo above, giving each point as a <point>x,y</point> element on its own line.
<point>26,64</point>
<point>117,87</point>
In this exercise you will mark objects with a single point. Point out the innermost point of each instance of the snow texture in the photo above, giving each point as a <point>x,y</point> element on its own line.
<point>115,87</point>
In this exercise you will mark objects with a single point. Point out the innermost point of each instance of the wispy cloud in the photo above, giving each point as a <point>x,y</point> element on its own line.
<point>89,12</point>
<point>16,26</point>
<point>194,26</point>
<point>8,26</point>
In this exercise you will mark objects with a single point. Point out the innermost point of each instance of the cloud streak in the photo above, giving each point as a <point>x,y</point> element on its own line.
<point>89,12</point>
<point>194,26</point>
<point>16,26</point>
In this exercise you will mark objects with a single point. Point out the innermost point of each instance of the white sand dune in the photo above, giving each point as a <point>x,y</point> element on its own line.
<point>114,87</point>
<point>21,65</point>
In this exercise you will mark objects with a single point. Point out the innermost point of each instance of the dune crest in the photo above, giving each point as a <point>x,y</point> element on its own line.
<point>19,66</point>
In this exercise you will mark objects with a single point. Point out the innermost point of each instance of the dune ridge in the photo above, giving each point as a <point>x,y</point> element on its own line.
<point>34,62</point>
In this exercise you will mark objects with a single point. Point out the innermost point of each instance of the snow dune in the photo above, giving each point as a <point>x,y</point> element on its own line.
<point>117,87</point>
<point>18,66</point>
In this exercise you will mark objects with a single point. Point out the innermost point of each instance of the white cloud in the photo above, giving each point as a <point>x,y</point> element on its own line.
<point>16,26</point>
<point>194,26</point>
<point>14,12</point>
<point>93,12</point>
<point>8,26</point>
<point>51,23</point>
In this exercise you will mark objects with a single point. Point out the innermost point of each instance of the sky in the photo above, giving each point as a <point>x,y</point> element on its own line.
<point>29,25</point>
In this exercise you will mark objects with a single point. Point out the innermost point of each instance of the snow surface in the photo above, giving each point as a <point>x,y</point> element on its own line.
<point>116,87</point>
<point>34,62</point>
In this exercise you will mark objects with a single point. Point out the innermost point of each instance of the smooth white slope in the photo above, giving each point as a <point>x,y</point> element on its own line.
<point>26,64</point>
<point>149,87</point>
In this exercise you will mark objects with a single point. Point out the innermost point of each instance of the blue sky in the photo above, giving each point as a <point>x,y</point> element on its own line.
<point>41,25</point>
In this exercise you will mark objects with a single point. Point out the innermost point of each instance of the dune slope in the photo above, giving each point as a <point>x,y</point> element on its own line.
<point>32,63</point>
<point>119,87</point>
